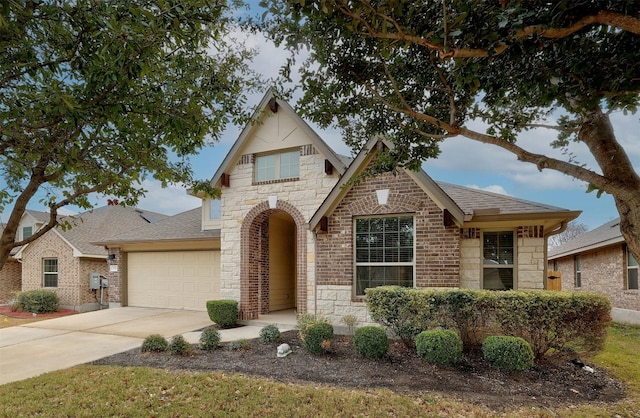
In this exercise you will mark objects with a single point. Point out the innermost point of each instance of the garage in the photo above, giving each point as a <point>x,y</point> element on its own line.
<point>173,279</point>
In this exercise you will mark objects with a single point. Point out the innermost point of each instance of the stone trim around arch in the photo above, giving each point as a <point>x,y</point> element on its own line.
<point>253,260</point>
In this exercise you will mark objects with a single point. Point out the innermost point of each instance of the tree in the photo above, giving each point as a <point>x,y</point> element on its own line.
<point>96,96</point>
<point>418,72</point>
<point>574,230</point>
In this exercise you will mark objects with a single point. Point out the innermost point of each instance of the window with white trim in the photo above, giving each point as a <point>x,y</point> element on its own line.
<point>577,277</point>
<point>498,260</point>
<point>27,232</point>
<point>632,271</point>
<point>284,165</point>
<point>384,252</point>
<point>50,272</point>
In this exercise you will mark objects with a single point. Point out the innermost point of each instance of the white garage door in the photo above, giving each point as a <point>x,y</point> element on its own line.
<point>175,280</point>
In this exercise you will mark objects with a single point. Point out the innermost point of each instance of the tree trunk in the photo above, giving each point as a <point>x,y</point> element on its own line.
<point>622,182</point>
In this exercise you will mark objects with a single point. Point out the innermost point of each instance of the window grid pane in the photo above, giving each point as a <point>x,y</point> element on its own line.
<point>632,272</point>
<point>289,164</point>
<point>50,276</point>
<point>498,248</point>
<point>266,168</point>
<point>378,243</point>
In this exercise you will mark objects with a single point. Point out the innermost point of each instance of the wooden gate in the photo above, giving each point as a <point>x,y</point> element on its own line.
<point>554,280</point>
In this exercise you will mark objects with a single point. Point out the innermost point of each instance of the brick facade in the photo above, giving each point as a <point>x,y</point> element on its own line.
<point>73,272</point>
<point>604,271</point>
<point>10,280</point>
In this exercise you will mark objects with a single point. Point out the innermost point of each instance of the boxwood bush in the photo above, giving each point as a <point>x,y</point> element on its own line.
<point>223,312</point>
<point>38,301</point>
<point>209,339</point>
<point>546,320</point>
<point>509,354</point>
<point>371,342</point>
<point>439,346</point>
<point>179,346</point>
<point>270,334</point>
<point>154,343</point>
<point>316,333</point>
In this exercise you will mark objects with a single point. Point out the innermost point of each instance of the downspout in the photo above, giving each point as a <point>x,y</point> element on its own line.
<point>559,230</point>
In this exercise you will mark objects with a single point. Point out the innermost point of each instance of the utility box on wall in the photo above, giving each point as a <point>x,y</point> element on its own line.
<point>94,280</point>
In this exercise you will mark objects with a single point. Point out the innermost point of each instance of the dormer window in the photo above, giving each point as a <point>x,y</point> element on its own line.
<point>27,231</point>
<point>280,166</point>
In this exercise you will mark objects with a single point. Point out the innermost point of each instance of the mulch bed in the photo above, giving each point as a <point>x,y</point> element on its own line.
<point>6,311</point>
<point>554,383</point>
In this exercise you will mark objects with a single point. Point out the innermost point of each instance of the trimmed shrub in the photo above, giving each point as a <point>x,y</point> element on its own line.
<point>549,320</point>
<point>223,312</point>
<point>209,339</point>
<point>238,345</point>
<point>546,320</point>
<point>179,346</point>
<point>441,346</point>
<point>269,334</point>
<point>316,333</point>
<point>39,301</point>
<point>371,342</point>
<point>509,354</point>
<point>154,343</point>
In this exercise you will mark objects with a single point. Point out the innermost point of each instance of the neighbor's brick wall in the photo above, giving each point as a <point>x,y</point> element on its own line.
<point>603,271</point>
<point>50,245</point>
<point>10,280</point>
<point>437,255</point>
<point>303,195</point>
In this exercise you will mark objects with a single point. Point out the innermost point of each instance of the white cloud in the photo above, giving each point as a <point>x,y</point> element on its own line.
<point>169,200</point>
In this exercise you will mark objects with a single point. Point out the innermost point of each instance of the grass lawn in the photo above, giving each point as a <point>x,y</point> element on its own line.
<point>95,391</point>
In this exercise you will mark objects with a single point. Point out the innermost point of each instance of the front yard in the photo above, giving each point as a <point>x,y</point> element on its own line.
<point>152,391</point>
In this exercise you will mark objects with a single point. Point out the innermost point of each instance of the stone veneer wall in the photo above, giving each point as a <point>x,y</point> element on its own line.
<point>437,257</point>
<point>10,280</point>
<point>530,254</point>
<point>603,271</point>
<point>305,194</point>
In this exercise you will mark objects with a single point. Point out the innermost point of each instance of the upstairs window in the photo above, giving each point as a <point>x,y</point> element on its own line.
<point>50,269</point>
<point>215,209</point>
<point>632,271</point>
<point>27,232</point>
<point>384,252</point>
<point>284,165</point>
<point>578,272</point>
<point>498,260</point>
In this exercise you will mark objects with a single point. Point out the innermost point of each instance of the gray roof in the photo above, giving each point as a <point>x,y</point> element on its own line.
<point>98,223</point>
<point>181,227</point>
<point>602,236</point>
<point>470,200</point>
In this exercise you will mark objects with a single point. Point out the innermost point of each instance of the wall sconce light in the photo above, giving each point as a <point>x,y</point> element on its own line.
<point>111,257</point>
<point>273,202</point>
<point>383,196</point>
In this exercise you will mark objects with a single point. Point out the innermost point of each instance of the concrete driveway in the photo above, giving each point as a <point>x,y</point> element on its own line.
<point>55,344</point>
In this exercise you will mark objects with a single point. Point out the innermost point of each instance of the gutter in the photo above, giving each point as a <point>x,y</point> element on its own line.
<point>559,230</point>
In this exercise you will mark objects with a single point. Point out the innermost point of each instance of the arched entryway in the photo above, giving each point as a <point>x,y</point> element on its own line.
<point>273,260</point>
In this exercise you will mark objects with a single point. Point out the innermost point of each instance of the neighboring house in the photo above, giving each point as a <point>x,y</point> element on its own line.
<point>599,261</point>
<point>62,260</point>
<point>290,231</point>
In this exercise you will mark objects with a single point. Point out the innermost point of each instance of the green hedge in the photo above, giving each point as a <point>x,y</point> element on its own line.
<point>39,301</point>
<point>509,354</point>
<point>546,320</point>
<point>442,347</point>
<point>223,312</point>
<point>371,342</point>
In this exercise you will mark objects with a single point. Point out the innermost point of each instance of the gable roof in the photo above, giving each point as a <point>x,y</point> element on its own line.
<point>185,226</point>
<point>602,236</point>
<point>269,101</point>
<point>464,203</point>
<point>361,161</point>
<point>97,223</point>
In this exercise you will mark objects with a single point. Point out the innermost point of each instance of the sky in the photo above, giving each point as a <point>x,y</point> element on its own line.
<point>462,161</point>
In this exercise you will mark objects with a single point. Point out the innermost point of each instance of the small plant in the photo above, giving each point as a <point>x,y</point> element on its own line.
<point>154,343</point>
<point>179,346</point>
<point>269,334</point>
<point>38,301</point>
<point>509,354</point>
<point>316,335</point>
<point>371,342</point>
<point>238,345</point>
<point>209,339</point>
<point>350,321</point>
<point>223,312</point>
<point>441,347</point>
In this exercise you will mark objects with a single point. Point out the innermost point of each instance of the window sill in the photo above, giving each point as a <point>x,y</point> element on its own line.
<point>260,183</point>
